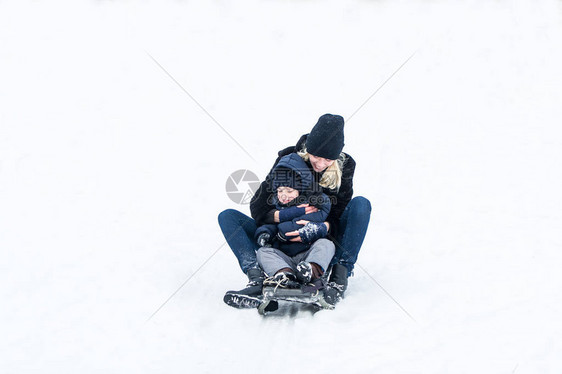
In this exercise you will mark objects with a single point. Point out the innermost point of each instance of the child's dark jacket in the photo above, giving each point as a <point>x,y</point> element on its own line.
<point>310,195</point>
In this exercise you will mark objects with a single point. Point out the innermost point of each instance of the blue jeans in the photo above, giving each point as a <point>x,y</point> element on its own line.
<point>354,222</point>
<point>239,229</point>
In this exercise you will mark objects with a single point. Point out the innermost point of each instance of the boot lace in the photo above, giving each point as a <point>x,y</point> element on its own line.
<point>279,280</point>
<point>334,285</point>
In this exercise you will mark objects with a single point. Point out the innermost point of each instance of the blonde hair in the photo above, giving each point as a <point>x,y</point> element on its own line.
<point>331,178</point>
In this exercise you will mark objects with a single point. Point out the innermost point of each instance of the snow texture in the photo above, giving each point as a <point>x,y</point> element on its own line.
<point>112,177</point>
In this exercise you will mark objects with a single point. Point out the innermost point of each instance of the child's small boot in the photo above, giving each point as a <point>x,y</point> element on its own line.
<point>284,278</point>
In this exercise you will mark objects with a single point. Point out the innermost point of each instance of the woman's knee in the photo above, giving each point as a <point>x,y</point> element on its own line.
<point>227,215</point>
<point>361,205</point>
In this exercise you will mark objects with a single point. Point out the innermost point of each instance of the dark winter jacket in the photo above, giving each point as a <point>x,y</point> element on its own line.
<point>278,231</point>
<point>308,195</point>
<point>262,207</point>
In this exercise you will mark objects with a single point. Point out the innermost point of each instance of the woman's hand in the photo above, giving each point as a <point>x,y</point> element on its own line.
<point>308,208</point>
<point>310,232</point>
<point>296,238</point>
<point>295,233</point>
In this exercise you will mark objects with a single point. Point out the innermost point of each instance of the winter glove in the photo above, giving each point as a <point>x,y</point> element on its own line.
<point>313,231</point>
<point>263,240</point>
<point>288,214</point>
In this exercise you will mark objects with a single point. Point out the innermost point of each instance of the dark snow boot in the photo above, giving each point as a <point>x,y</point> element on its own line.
<point>337,285</point>
<point>249,297</point>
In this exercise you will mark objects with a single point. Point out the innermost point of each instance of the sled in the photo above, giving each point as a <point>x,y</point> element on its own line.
<point>275,295</point>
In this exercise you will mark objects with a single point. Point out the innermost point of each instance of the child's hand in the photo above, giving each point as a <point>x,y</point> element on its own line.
<point>263,240</point>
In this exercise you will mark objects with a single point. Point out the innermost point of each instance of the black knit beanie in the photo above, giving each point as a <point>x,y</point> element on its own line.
<point>326,138</point>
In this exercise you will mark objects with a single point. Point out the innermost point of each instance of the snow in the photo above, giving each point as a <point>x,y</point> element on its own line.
<point>112,176</point>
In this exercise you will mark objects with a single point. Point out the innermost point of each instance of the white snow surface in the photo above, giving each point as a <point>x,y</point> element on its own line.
<point>112,177</point>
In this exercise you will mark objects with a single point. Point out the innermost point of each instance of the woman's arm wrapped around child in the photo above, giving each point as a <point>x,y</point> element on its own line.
<point>316,228</point>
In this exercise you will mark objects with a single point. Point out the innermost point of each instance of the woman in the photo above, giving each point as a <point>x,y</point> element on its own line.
<point>346,224</point>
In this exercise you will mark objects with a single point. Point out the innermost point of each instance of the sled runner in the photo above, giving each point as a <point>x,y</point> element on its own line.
<point>273,295</point>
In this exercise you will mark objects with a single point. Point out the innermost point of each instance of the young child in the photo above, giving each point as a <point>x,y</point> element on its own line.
<point>283,260</point>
